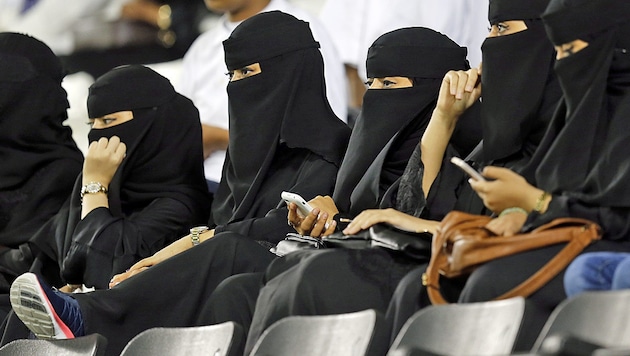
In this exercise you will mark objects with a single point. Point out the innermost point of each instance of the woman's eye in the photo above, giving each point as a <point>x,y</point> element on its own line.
<point>245,71</point>
<point>501,27</point>
<point>230,74</point>
<point>90,123</point>
<point>108,121</point>
<point>369,82</point>
<point>388,83</point>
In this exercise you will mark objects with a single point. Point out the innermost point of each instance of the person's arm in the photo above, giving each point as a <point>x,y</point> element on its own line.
<point>214,139</point>
<point>101,162</point>
<point>458,92</point>
<point>394,217</point>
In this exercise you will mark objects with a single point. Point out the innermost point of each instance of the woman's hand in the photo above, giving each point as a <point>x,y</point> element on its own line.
<point>138,267</point>
<point>506,189</point>
<point>103,159</point>
<point>507,225</point>
<point>394,217</point>
<point>459,91</point>
<point>319,221</point>
<point>167,252</point>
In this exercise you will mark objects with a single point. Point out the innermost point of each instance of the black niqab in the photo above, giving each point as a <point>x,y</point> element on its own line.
<point>586,150</point>
<point>513,114</point>
<point>284,104</point>
<point>418,53</point>
<point>163,121</point>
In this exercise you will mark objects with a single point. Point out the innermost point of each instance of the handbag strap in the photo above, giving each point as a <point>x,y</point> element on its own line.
<point>586,232</point>
<point>560,261</point>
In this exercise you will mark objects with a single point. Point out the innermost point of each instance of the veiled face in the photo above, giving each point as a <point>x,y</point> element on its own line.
<point>389,83</point>
<point>505,28</point>
<point>244,72</point>
<point>570,48</point>
<point>111,120</point>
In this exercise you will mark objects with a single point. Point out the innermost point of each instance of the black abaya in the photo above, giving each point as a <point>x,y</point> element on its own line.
<point>40,160</point>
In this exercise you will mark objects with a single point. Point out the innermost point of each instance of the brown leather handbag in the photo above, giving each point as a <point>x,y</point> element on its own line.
<point>462,243</point>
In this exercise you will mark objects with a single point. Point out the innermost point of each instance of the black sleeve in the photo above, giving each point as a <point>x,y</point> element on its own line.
<point>104,245</point>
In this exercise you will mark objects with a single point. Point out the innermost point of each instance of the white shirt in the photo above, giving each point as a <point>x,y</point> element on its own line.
<point>204,80</point>
<point>356,24</point>
<point>55,22</point>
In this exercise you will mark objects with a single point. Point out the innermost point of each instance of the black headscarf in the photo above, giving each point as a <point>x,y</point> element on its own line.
<point>586,153</point>
<point>520,91</point>
<point>418,53</point>
<point>165,125</point>
<point>284,104</point>
<point>33,108</point>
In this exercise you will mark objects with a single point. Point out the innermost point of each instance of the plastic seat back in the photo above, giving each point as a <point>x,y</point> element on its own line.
<point>486,328</point>
<point>89,345</point>
<point>214,340</point>
<point>351,334</point>
<point>601,318</point>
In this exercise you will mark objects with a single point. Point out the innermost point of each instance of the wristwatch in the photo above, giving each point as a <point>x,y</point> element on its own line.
<point>195,232</point>
<point>93,188</point>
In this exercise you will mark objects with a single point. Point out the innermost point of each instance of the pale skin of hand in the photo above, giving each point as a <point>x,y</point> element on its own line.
<point>314,224</point>
<point>506,189</point>
<point>101,162</point>
<point>507,225</point>
<point>167,252</point>
<point>391,216</point>
<point>458,92</point>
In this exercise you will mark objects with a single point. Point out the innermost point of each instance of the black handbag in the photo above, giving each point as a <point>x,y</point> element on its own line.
<point>414,245</point>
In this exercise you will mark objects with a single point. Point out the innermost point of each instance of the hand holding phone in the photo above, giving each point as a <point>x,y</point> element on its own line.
<point>468,169</point>
<point>303,207</point>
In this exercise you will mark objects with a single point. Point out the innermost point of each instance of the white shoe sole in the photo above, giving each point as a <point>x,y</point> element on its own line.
<point>32,306</point>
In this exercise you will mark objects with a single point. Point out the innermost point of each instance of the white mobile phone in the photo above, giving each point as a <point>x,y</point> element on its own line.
<point>302,205</point>
<point>467,168</point>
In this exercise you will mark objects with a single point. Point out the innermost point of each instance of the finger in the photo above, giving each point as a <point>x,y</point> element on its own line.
<point>451,79</point>
<point>332,227</point>
<point>320,225</point>
<point>461,84</point>
<point>471,82</point>
<point>120,151</point>
<point>495,172</point>
<point>292,216</point>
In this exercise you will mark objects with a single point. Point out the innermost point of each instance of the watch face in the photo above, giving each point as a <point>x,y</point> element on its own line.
<point>93,188</point>
<point>198,229</point>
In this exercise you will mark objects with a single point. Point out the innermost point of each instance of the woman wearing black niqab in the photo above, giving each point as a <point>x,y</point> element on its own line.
<point>40,160</point>
<point>155,195</point>
<point>582,166</point>
<point>301,149</point>
<point>282,130</point>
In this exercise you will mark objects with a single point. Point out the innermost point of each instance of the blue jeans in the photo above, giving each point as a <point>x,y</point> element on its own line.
<point>598,271</point>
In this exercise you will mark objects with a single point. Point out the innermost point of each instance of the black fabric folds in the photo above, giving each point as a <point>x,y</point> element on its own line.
<point>505,10</point>
<point>120,90</point>
<point>511,114</point>
<point>568,23</point>
<point>39,158</point>
<point>32,109</point>
<point>285,104</point>
<point>585,153</point>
